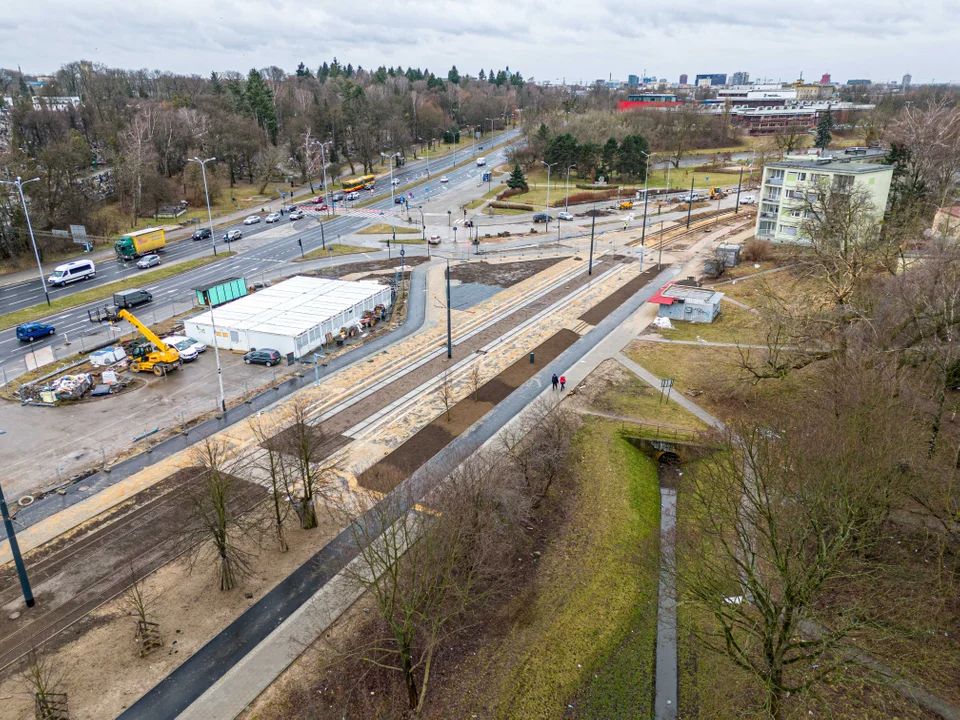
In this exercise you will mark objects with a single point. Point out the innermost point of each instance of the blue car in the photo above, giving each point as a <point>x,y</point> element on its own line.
<point>28,332</point>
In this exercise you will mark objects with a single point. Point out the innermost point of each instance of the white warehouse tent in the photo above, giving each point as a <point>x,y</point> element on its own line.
<point>293,316</point>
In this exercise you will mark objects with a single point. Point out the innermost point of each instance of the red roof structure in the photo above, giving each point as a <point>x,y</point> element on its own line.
<point>660,299</point>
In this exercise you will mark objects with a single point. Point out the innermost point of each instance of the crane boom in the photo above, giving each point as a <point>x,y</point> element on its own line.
<point>144,330</point>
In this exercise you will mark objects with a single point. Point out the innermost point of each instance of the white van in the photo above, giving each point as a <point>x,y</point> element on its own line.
<point>71,271</point>
<point>481,161</point>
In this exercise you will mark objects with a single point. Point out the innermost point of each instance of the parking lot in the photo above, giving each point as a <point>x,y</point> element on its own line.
<point>38,441</point>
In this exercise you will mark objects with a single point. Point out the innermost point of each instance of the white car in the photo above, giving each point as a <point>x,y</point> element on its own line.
<point>444,179</point>
<point>148,261</point>
<point>195,344</point>
<point>297,215</point>
<point>352,195</point>
<point>184,346</point>
<point>253,220</point>
<point>273,217</point>
<point>748,200</point>
<point>564,215</point>
<point>232,235</point>
<point>396,181</point>
<point>434,240</point>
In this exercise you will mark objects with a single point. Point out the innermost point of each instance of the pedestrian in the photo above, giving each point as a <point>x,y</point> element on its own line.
<point>556,381</point>
<point>563,382</point>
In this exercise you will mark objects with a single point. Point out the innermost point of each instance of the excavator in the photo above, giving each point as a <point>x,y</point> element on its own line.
<point>153,355</point>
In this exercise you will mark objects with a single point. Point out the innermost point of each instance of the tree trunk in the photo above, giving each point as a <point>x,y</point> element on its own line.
<point>308,514</point>
<point>409,679</point>
<point>227,580</point>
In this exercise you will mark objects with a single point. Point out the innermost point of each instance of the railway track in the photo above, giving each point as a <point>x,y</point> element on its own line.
<point>681,232</point>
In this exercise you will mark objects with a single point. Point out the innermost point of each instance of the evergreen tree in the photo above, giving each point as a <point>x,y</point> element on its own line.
<point>303,71</point>
<point>24,88</point>
<point>335,69</point>
<point>516,80</point>
<point>482,75</point>
<point>491,77</point>
<point>501,78</point>
<point>433,82</point>
<point>517,179</point>
<point>259,100</point>
<point>562,150</point>
<point>454,75</point>
<point>824,128</point>
<point>323,72</point>
<point>349,71</point>
<point>380,76</point>
<point>609,157</point>
<point>631,160</point>
<point>215,84</point>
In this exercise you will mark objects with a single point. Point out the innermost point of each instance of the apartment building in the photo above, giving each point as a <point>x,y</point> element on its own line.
<point>788,183</point>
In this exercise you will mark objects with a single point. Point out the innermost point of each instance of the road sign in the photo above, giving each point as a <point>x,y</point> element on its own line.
<point>402,252</point>
<point>79,233</point>
<point>665,384</point>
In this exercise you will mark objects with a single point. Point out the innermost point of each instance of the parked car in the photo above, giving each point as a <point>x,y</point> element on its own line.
<point>444,179</point>
<point>542,218</point>
<point>195,344</point>
<point>564,215</point>
<point>184,347</point>
<point>72,271</point>
<point>28,332</point>
<point>748,200</point>
<point>273,217</point>
<point>148,261</point>
<point>263,356</point>
<point>297,215</point>
<point>434,240</point>
<point>253,220</point>
<point>131,298</point>
<point>201,234</point>
<point>232,235</point>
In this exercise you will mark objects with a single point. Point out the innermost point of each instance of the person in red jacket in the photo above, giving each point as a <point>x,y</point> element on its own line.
<point>563,382</point>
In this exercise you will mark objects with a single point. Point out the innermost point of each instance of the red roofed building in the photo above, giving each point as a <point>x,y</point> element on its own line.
<point>691,304</point>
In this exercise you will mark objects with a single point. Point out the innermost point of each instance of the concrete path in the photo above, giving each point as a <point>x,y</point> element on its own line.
<point>747,277</point>
<point>677,397</point>
<point>704,342</point>
<point>667,679</point>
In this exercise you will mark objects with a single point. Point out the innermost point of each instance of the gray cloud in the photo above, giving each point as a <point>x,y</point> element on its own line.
<point>562,38</point>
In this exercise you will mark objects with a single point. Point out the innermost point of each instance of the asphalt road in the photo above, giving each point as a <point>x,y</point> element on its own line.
<point>260,252</point>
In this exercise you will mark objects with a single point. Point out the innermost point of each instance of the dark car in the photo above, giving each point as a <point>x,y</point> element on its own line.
<point>201,234</point>
<point>263,356</point>
<point>399,200</point>
<point>28,332</point>
<point>542,218</point>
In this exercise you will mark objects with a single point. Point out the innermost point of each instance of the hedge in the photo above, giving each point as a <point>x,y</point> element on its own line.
<point>511,205</point>
<point>585,197</point>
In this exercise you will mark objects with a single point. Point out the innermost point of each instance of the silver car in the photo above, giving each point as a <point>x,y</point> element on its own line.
<point>273,217</point>
<point>148,261</point>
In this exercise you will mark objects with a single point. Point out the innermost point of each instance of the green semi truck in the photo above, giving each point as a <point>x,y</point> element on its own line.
<point>140,243</point>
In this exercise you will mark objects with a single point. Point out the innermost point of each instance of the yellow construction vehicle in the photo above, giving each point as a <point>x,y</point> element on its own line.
<point>625,205</point>
<point>153,355</point>
<point>716,193</point>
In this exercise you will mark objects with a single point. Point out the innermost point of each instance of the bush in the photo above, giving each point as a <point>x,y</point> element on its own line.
<point>510,192</point>
<point>585,197</point>
<point>756,250</point>
<point>511,205</point>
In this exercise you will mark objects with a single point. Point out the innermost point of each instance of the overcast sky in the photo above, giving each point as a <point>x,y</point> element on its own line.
<point>571,39</point>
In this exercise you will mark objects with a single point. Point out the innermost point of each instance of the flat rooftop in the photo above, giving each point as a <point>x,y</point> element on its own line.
<point>832,165</point>
<point>291,307</point>
<point>671,293</point>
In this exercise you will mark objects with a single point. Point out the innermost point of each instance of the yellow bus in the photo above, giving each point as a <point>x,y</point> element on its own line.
<point>360,183</point>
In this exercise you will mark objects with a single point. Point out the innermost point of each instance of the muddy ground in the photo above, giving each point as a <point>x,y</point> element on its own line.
<point>501,274</point>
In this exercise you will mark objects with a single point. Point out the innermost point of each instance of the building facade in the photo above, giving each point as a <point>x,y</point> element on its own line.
<point>683,79</point>
<point>690,304</point>
<point>633,80</point>
<point>740,78</point>
<point>710,79</point>
<point>789,184</point>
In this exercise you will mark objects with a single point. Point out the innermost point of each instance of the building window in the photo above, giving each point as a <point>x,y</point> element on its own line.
<point>801,177</point>
<point>791,177</point>
<point>842,183</point>
<point>795,213</point>
<point>788,230</point>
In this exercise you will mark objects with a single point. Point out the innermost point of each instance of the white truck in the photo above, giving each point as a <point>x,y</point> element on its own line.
<point>481,161</point>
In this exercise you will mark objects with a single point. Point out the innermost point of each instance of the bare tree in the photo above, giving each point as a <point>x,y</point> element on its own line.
<point>445,392</point>
<point>274,465</point>
<point>139,602</point>
<point>217,522</point>
<point>311,477</point>
<point>45,681</point>
<point>429,571</point>
<point>476,379</point>
<point>791,138</point>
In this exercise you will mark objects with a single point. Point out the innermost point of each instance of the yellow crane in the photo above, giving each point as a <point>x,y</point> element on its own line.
<point>160,360</point>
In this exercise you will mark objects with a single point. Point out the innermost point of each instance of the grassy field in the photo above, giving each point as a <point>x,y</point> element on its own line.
<point>733,325</point>
<point>105,291</point>
<point>628,396</point>
<point>337,249</point>
<point>387,229</point>
<point>587,637</point>
<point>405,241</point>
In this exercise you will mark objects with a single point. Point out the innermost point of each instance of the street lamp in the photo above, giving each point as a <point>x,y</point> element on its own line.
<point>216,348</point>
<point>646,180</point>
<point>206,192</point>
<point>393,201</point>
<point>566,198</point>
<point>18,183</point>
<point>549,165</point>
<point>323,161</point>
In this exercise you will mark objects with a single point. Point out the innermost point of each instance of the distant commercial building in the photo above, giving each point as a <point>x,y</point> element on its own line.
<point>825,79</point>
<point>907,79</point>
<point>49,103</point>
<point>641,100</point>
<point>860,81</point>
<point>814,91</point>
<point>787,184</point>
<point>633,80</point>
<point>683,79</point>
<point>691,304</point>
<point>711,79</point>
<point>740,78</point>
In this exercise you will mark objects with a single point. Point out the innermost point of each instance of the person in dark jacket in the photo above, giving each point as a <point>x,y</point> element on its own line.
<point>556,381</point>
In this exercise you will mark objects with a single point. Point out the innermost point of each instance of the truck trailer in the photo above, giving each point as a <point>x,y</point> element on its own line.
<point>137,244</point>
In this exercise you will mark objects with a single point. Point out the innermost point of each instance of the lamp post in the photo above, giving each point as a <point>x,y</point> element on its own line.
<point>566,199</point>
<point>739,186</point>
<point>449,331</point>
<point>206,192</point>
<point>547,206</point>
<point>593,226</point>
<point>323,161</point>
<point>646,180</point>
<point>393,203</point>
<point>15,549</point>
<point>690,198</point>
<point>18,183</point>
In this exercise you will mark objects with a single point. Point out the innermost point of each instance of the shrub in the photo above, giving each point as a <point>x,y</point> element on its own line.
<point>585,197</point>
<point>756,250</point>
<point>511,205</point>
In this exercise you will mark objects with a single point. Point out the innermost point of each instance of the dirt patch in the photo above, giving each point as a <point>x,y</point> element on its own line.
<point>606,306</point>
<point>322,443</point>
<point>502,274</point>
<point>369,266</point>
<point>74,575</point>
<point>406,459</point>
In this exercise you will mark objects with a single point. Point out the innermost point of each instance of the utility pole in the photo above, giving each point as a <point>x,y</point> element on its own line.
<point>660,253</point>
<point>449,330</point>
<point>646,179</point>
<point>18,183</point>
<point>566,198</point>
<point>15,550</point>
<point>206,192</point>
<point>549,165</point>
<point>690,208</point>
<point>593,226</point>
<point>739,186</point>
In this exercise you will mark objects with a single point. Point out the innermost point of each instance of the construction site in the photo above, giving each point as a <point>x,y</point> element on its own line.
<point>403,372</point>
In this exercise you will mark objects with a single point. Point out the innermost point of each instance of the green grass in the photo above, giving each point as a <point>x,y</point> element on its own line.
<point>387,229</point>
<point>732,325</point>
<point>104,291</point>
<point>632,397</point>
<point>405,241</point>
<point>596,603</point>
<point>337,248</point>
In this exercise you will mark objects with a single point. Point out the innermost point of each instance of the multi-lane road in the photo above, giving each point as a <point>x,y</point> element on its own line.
<point>263,249</point>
